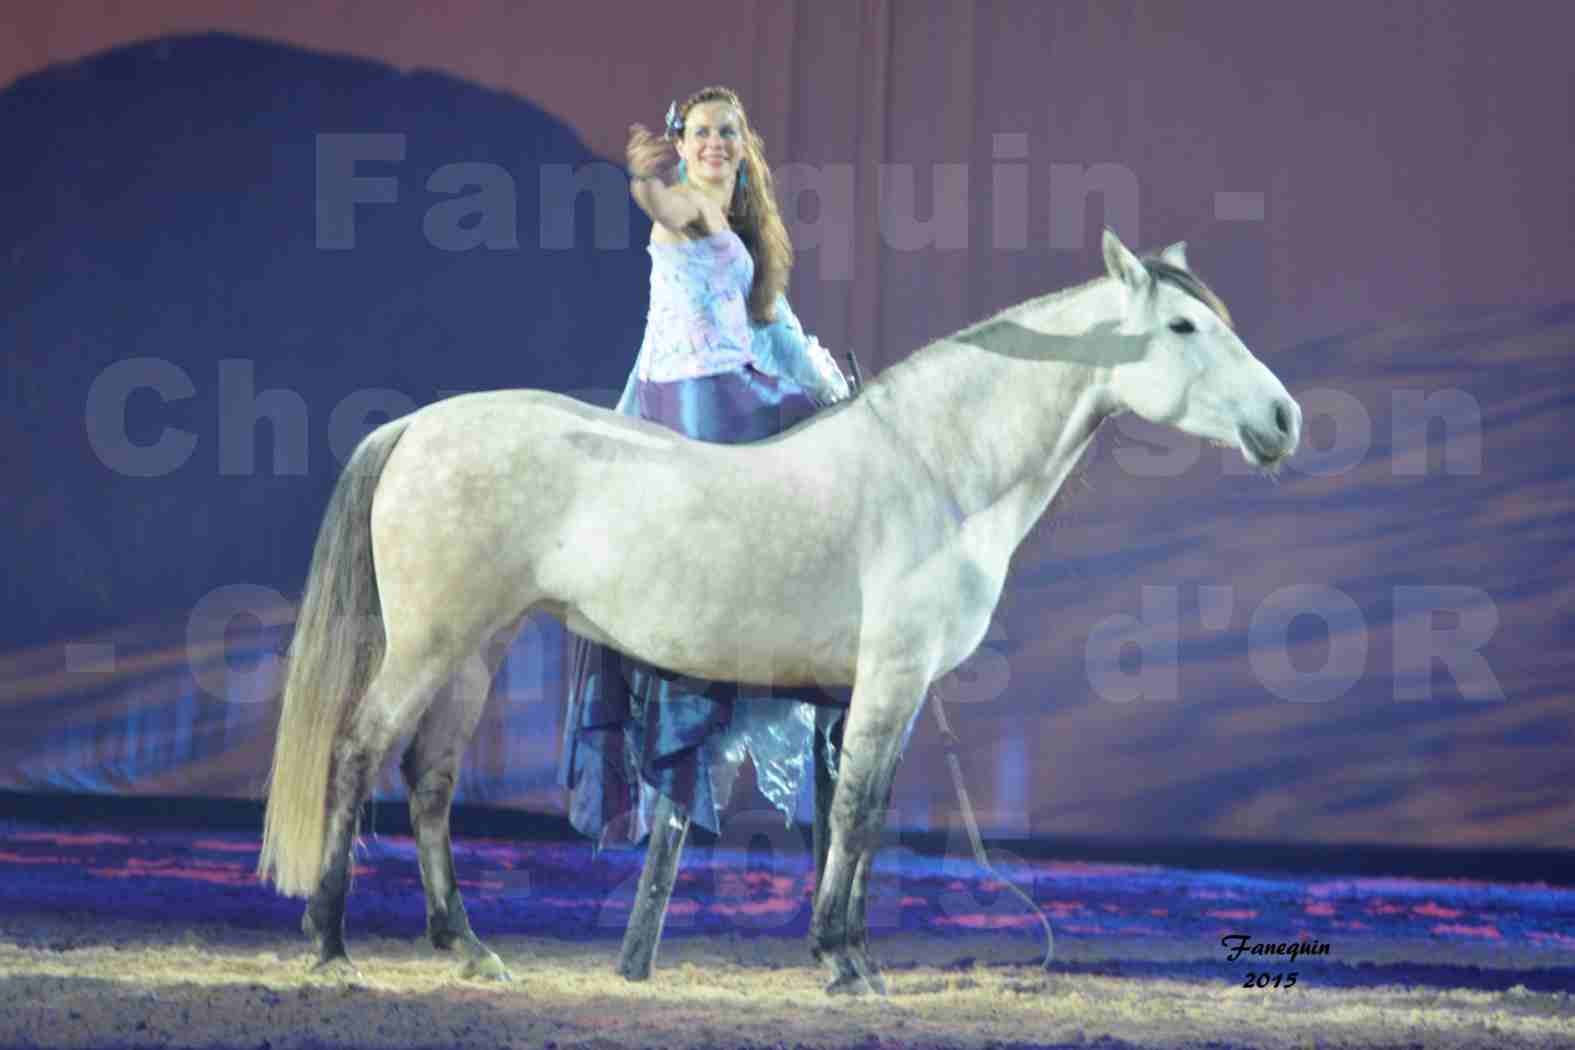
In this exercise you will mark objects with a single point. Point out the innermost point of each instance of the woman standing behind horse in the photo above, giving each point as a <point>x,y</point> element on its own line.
<point>723,360</point>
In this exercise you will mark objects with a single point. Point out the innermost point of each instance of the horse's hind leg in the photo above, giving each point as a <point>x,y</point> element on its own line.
<point>398,694</point>
<point>431,770</point>
<point>644,932</point>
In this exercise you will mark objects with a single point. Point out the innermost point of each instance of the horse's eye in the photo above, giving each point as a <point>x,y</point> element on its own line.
<point>1182,326</point>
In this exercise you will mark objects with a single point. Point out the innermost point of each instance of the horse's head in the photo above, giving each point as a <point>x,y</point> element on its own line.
<point>1192,372</point>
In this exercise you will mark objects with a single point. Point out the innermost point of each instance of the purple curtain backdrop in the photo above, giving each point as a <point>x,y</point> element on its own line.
<point>1378,191</point>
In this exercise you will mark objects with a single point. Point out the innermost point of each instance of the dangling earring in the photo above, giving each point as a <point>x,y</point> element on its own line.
<point>743,174</point>
<point>682,171</point>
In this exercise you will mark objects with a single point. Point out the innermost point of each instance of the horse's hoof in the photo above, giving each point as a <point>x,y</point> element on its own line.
<point>854,975</point>
<point>336,968</point>
<point>859,957</point>
<point>485,967</point>
<point>631,972</point>
<point>847,984</point>
<point>857,984</point>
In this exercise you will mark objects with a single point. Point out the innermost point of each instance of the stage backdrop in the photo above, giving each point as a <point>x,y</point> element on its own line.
<point>236,241</point>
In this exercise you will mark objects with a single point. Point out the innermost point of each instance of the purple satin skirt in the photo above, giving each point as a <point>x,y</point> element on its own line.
<point>629,721</point>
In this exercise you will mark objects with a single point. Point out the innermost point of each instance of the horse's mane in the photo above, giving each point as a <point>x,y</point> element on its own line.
<point>1188,282</point>
<point>1161,271</point>
<point>960,336</point>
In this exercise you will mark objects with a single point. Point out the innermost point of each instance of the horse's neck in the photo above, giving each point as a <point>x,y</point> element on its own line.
<point>997,425</point>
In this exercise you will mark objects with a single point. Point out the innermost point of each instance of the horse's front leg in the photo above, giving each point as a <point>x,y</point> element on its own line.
<point>884,705</point>
<point>827,747</point>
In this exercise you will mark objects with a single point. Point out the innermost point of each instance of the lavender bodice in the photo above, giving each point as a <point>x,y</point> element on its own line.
<point>698,323</point>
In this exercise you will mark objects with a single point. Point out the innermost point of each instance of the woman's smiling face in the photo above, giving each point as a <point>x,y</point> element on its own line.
<point>712,144</point>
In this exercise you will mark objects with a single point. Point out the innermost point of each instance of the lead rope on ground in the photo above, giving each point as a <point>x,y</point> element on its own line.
<point>949,741</point>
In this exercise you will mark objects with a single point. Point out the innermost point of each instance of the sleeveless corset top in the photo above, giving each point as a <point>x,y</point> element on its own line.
<point>698,324</point>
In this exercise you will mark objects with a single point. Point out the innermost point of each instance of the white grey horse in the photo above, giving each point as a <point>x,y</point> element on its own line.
<point>868,545</point>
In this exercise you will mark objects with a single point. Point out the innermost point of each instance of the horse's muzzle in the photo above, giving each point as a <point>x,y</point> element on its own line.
<point>1267,445</point>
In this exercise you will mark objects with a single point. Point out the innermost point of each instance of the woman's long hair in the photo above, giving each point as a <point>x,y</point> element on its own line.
<point>753,211</point>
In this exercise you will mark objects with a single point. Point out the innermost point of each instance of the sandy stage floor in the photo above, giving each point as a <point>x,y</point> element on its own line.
<point>119,938</point>
<point>125,984</point>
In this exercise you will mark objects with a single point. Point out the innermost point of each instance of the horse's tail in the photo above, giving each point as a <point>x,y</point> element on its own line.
<point>336,649</point>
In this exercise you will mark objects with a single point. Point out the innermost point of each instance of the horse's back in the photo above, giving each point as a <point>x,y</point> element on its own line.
<point>532,412</point>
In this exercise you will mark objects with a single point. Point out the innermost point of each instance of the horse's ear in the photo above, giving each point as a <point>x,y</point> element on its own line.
<point>1176,255</point>
<point>1121,264</point>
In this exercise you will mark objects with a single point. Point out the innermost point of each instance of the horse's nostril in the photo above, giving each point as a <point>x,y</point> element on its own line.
<point>1283,417</point>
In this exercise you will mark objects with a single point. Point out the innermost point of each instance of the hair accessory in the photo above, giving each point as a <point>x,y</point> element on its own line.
<point>675,124</point>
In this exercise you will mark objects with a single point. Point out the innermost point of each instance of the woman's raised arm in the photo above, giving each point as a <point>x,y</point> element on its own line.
<point>651,159</point>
